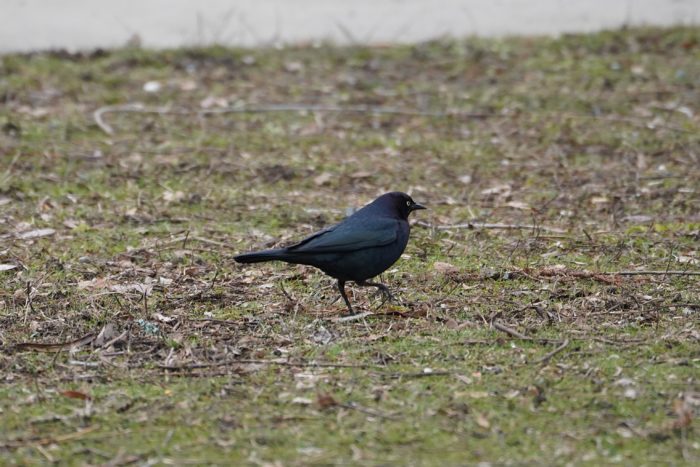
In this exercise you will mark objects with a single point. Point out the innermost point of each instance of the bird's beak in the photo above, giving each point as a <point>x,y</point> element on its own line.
<point>416,207</point>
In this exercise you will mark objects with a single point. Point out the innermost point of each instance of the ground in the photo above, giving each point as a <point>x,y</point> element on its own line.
<point>556,172</point>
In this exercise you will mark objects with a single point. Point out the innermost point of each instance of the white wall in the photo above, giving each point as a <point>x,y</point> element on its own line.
<point>86,24</point>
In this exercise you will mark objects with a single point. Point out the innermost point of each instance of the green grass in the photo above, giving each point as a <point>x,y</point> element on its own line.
<point>595,136</point>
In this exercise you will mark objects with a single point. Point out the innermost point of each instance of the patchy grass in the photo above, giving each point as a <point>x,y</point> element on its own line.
<point>188,357</point>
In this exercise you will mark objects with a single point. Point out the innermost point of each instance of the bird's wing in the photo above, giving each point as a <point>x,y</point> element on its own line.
<point>344,238</point>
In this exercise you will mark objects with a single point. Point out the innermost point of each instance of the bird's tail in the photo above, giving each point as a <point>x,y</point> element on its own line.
<point>261,256</point>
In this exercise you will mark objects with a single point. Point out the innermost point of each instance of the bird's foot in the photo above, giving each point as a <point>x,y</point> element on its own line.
<point>381,289</point>
<point>386,297</point>
<point>384,292</point>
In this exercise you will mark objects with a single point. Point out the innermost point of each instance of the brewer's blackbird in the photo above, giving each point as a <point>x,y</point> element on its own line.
<point>359,248</point>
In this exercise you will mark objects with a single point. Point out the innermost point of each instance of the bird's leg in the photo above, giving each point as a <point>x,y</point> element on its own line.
<point>341,287</point>
<point>380,288</point>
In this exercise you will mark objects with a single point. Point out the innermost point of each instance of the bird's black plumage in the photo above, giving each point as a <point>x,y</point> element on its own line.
<point>359,248</point>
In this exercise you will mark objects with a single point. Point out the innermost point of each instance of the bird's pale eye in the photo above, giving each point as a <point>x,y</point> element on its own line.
<point>408,203</point>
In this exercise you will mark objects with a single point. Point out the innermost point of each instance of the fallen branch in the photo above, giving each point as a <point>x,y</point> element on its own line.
<point>486,226</point>
<point>551,354</point>
<point>40,347</point>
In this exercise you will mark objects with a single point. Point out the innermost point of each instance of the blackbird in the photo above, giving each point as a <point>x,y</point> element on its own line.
<point>359,248</point>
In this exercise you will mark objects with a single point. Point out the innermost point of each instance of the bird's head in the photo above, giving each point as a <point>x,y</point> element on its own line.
<point>402,204</point>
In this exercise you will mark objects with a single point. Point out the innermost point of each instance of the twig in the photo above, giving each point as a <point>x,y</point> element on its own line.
<point>29,305</point>
<point>551,354</point>
<point>422,374</point>
<point>363,109</point>
<point>638,122</point>
<point>602,276</point>
<point>477,342</point>
<point>84,364</point>
<point>49,440</point>
<point>116,339</point>
<point>483,225</point>
<point>512,332</point>
<point>44,453</point>
<point>366,410</point>
<point>650,273</point>
<point>355,317</point>
<point>212,242</point>
<point>518,335</point>
<point>286,294</point>
<point>195,366</point>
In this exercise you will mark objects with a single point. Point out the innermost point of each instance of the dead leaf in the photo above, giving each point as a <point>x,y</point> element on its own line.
<point>36,234</point>
<point>94,283</point>
<point>687,111</point>
<point>518,205</point>
<point>503,189</point>
<point>482,421</point>
<point>325,401</point>
<point>684,413</point>
<point>302,401</point>
<point>294,67</point>
<point>71,223</point>
<point>211,101</point>
<point>512,394</point>
<point>108,332</point>
<point>173,196</point>
<point>464,379</point>
<point>162,318</point>
<point>638,219</point>
<point>687,260</point>
<point>322,336</point>
<point>142,289</point>
<point>187,85</point>
<point>152,86</point>
<point>445,268</point>
<point>451,324</point>
<point>76,395</point>
<point>624,382</point>
<point>37,112</point>
<point>7,267</point>
<point>166,280</point>
<point>323,178</point>
<point>477,394</point>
